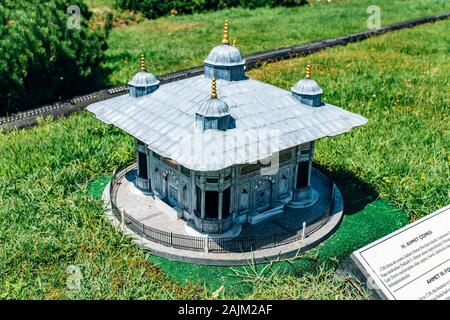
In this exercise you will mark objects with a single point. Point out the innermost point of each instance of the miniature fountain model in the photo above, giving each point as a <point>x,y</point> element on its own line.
<point>224,163</point>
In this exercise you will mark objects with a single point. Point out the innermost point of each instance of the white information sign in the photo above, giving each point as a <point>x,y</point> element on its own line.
<point>412,263</point>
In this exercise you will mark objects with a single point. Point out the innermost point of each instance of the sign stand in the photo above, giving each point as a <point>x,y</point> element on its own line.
<point>412,263</point>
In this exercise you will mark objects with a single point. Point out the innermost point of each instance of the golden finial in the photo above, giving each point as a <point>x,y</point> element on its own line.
<point>214,89</point>
<point>226,37</point>
<point>308,71</point>
<point>235,42</point>
<point>143,68</point>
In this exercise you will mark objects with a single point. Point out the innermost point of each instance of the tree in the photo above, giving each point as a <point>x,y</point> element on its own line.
<point>42,59</point>
<point>156,8</point>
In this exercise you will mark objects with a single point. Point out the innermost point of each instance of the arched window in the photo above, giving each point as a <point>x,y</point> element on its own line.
<point>206,124</point>
<point>244,200</point>
<point>142,165</point>
<point>157,180</point>
<point>210,123</point>
<point>263,196</point>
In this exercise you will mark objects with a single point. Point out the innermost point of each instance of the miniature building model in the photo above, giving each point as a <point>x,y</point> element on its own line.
<point>222,149</point>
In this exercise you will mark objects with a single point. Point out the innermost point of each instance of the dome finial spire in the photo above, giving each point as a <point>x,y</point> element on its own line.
<point>143,68</point>
<point>235,42</point>
<point>226,37</point>
<point>214,89</point>
<point>308,71</point>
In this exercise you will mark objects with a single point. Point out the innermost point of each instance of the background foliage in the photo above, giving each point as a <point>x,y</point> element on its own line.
<point>157,8</point>
<point>43,60</point>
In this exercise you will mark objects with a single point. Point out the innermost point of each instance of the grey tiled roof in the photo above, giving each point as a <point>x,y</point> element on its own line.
<point>268,119</point>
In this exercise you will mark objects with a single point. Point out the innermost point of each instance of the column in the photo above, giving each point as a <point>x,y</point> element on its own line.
<point>309,172</point>
<point>232,192</point>
<point>232,201</point>
<point>203,204</point>
<point>138,173</point>
<point>219,216</point>
<point>202,188</point>
<point>295,173</point>
<point>220,204</point>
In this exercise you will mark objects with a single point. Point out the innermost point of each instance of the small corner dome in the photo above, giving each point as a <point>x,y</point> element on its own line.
<point>144,79</point>
<point>213,108</point>
<point>143,82</point>
<point>225,55</point>
<point>307,87</point>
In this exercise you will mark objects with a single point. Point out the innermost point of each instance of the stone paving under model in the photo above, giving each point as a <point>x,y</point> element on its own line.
<point>151,212</point>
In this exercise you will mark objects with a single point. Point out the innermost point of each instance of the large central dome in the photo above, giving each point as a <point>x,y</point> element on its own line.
<point>213,107</point>
<point>224,61</point>
<point>225,55</point>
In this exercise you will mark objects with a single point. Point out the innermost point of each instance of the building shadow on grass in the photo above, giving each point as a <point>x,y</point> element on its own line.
<point>357,194</point>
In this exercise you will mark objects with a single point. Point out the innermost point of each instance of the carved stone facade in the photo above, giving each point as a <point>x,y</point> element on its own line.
<point>216,200</point>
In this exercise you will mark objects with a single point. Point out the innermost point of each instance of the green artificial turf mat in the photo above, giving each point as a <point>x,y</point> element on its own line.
<point>96,187</point>
<point>376,220</point>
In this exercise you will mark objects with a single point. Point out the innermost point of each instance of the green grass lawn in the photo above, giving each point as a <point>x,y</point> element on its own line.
<point>400,83</point>
<point>291,279</point>
<point>173,43</point>
<point>49,220</point>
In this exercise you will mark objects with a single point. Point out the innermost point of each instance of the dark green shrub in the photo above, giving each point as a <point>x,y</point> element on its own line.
<point>157,8</point>
<point>42,60</point>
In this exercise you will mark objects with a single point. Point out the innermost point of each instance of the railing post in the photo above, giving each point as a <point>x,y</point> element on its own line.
<point>303,230</point>
<point>206,239</point>
<point>142,235</point>
<point>171,239</point>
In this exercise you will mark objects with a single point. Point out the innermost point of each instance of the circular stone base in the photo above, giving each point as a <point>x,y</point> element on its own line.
<point>231,233</point>
<point>304,203</point>
<point>137,191</point>
<point>146,210</point>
